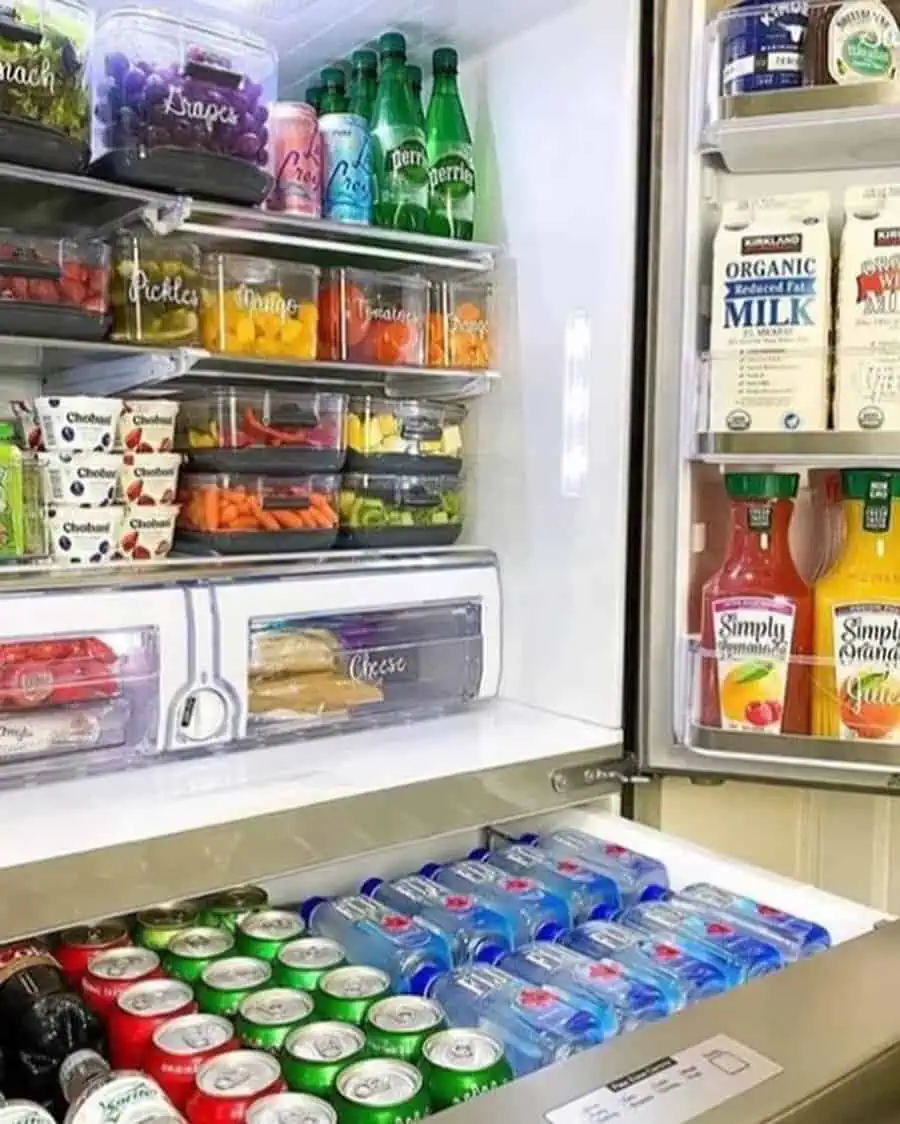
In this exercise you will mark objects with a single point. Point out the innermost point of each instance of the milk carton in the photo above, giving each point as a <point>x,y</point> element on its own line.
<point>867,355</point>
<point>771,313</point>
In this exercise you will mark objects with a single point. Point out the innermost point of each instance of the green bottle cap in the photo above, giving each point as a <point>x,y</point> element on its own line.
<point>446,61</point>
<point>365,60</point>
<point>414,74</point>
<point>392,45</point>
<point>858,484</point>
<point>762,485</point>
<point>333,78</point>
<point>314,94</point>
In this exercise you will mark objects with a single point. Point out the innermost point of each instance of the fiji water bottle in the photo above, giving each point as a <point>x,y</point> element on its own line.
<point>533,911</point>
<point>407,948</point>
<point>476,931</point>
<point>639,877</point>
<point>602,983</point>
<point>537,1025</point>
<point>803,937</point>
<point>684,978</point>
<point>591,893</point>
<point>740,953</point>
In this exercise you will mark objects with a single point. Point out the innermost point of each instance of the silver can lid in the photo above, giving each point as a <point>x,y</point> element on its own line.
<point>404,1014</point>
<point>276,1006</point>
<point>238,897</point>
<point>356,982</point>
<point>123,964</point>
<point>271,925</point>
<point>193,1034</point>
<point>173,915</point>
<point>235,973</point>
<point>101,935</point>
<point>381,1082</point>
<point>155,997</point>
<point>312,952</point>
<point>462,1050</point>
<point>201,943</point>
<point>243,1073</point>
<point>325,1042</point>
<point>290,1108</point>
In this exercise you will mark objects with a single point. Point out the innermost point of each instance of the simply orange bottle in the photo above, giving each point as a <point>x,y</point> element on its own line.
<point>856,685</point>
<point>757,628</point>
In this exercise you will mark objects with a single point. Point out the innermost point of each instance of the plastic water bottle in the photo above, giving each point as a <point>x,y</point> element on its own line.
<point>606,983</point>
<point>683,977</point>
<point>537,1025</point>
<point>639,877</point>
<point>407,948</point>
<point>476,931</point>
<point>534,912</point>
<point>591,893</point>
<point>740,953</point>
<point>803,937</point>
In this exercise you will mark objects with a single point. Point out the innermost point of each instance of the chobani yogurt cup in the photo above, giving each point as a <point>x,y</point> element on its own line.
<point>83,536</point>
<point>146,533</point>
<point>149,479</point>
<point>77,423</point>
<point>84,479</point>
<point>147,425</point>
<point>27,424</point>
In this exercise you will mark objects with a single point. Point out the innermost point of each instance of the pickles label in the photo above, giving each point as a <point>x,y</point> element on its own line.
<point>161,290</point>
<point>867,671</point>
<point>753,638</point>
<point>862,39</point>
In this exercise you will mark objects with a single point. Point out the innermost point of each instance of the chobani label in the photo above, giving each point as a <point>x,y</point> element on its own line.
<point>867,670</point>
<point>862,39</point>
<point>752,638</point>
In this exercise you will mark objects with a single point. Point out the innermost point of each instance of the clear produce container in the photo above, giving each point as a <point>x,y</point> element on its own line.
<point>155,290</point>
<point>182,105</point>
<point>238,513</point>
<point>254,306</point>
<point>406,436</point>
<point>459,325</point>
<point>382,511</point>
<point>377,318</point>
<point>53,287</point>
<point>264,431</point>
<point>44,101</point>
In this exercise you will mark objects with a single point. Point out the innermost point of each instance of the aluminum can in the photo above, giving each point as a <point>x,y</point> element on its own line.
<point>397,1027</point>
<point>461,1064</point>
<point>228,1085</point>
<point>291,1108</point>
<point>138,1012</point>
<point>263,933</point>
<point>380,1091</point>
<point>180,1046</point>
<point>195,949</point>
<point>110,973</point>
<point>227,908</point>
<point>346,168</point>
<point>78,946</point>
<point>302,963</point>
<point>295,146</point>
<point>347,993</point>
<point>154,928</point>
<point>266,1018</point>
<point>226,982</point>
<point>314,1054</point>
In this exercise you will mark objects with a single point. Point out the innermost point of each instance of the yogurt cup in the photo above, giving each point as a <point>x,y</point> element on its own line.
<point>83,537</point>
<point>78,423</point>
<point>80,479</point>
<point>146,533</point>
<point>27,424</point>
<point>149,479</point>
<point>147,425</point>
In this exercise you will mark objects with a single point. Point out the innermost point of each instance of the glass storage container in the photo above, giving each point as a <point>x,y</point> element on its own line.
<point>53,287</point>
<point>44,102</point>
<point>459,325</point>
<point>182,105</point>
<point>264,431</point>
<point>235,513</point>
<point>253,306</point>
<point>155,290</point>
<point>375,318</point>
<point>393,435</point>
<point>391,511</point>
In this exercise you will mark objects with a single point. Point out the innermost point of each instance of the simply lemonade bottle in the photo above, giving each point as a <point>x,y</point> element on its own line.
<point>757,616</point>
<point>856,688</point>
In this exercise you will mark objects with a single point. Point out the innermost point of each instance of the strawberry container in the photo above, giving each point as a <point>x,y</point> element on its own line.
<point>53,287</point>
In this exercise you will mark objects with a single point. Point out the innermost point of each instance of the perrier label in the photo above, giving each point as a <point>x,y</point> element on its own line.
<point>451,166</point>
<point>398,145</point>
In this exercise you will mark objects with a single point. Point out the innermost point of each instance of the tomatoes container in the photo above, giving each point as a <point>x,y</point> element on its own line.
<point>182,105</point>
<point>459,325</point>
<point>268,309</point>
<point>180,1047</point>
<point>78,946</point>
<point>264,431</point>
<point>111,973</point>
<point>138,1012</point>
<point>236,513</point>
<point>42,673</point>
<point>373,318</point>
<point>52,287</point>
<point>405,436</point>
<point>381,511</point>
<point>155,290</point>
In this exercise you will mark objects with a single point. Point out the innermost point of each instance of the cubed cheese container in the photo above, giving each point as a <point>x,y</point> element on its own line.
<point>182,105</point>
<point>459,325</point>
<point>155,290</point>
<point>382,512</point>
<point>404,435</point>
<point>262,308</point>
<point>244,513</point>
<point>264,431</point>
<point>373,318</point>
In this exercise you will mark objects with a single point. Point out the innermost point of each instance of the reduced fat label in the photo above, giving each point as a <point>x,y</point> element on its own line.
<point>867,671</point>
<point>753,638</point>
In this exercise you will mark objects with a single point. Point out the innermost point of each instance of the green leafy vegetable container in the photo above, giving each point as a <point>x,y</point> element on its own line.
<point>379,511</point>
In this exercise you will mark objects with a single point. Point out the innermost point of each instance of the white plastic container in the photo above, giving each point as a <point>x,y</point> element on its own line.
<point>149,479</point>
<point>146,533</point>
<point>147,426</point>
<point>80,479</point>
<point>78,423</point>
<point>80,537</point>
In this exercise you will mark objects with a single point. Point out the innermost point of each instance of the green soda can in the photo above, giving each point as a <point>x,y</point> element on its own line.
<point>397,1027</point>
<point>225,983</point>
<point>461,1064</point>
<point>314,1054</point>
<point>265,1018</point>
<point>264,932</point>
<point>347,993</point>
<point>154,928</point>
<point>381,1091</point>
<point>302,963</point>
<point>193,950</point>
<point>226,909</point>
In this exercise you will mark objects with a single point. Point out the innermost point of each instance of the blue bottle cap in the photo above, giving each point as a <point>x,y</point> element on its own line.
<point>480,854</point>
<point>429,870</point>
<point>490,954</point>
<point>656,893</point>
<point>368,888</point>
<point>423,979</point>
<point>603,912</point>
<point>306,910</point>
<point>549,931</point>
<point>529,838</point>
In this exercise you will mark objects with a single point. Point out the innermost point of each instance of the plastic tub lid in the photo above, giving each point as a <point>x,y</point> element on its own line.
<point>374,403</point>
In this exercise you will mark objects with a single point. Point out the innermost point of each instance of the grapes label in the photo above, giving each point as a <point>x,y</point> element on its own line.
<point>210,113</point>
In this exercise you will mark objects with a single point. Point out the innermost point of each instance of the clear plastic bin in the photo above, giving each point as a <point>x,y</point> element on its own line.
<point>156,289</point>
<point>182,105</point>
<point>264,431</point>
<point>459,325</point>
<point>253,306</point>
<point>375,318</point>
<point>380,511</point>
<point>391,435</point>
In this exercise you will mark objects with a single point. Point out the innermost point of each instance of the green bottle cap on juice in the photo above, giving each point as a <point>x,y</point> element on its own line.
<point>857,483</point>
<point>392,45</point>
<point>445,61</point>
<point>762,485</point>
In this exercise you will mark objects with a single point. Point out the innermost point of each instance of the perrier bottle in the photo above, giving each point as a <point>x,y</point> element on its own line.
<point>398,145</point>
<point>451,164</point>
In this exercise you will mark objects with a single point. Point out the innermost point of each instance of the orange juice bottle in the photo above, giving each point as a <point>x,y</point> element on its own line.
<point>856,681</point>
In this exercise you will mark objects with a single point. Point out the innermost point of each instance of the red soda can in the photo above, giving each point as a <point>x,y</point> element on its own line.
<point>226,1086</point>
<point>139,1010</point>
<point>78,946</point>
<point>180,1046</point>
<point>295,145</point>
<point>110,973</point>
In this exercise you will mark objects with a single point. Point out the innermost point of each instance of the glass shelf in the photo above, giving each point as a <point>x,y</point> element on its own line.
<point>824,449</point>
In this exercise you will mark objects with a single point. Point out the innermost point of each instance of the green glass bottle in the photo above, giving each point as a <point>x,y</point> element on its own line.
<point>451,162</point>
<point>398,145</point>
<point>363,83</point>
<point>414,77</point>
<point>314,97</point>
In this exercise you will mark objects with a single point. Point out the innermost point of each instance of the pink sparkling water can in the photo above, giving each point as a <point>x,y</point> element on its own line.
<point>296,154</point>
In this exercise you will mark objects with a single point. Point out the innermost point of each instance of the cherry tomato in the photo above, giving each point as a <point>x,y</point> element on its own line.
<point>392,342</point>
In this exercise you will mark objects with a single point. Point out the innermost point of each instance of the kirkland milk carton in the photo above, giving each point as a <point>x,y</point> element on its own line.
<point>771,313</point>
<point>867,354</point>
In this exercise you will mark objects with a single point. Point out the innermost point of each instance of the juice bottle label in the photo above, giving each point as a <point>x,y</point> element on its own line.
<point>867,670</point>
<point>753,637</point>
